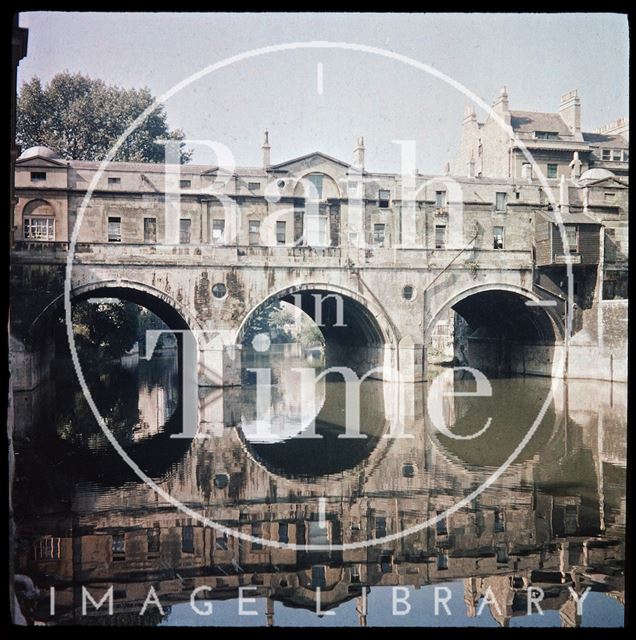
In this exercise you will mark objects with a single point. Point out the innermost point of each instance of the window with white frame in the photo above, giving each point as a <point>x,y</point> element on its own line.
<point>615,155</point>
<point>546,135</point>
<point>316,180</point>
<point>47,548</point>
<point>39,228</point>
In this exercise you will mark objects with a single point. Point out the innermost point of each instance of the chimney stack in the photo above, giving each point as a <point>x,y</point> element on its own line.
<point>358,156</point>
<point>469,114</point>
<point>501,103</point>
<point>570,112</point>
<point>266,151</point>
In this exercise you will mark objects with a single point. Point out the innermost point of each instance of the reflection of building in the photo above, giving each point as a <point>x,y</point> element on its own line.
<point>556,519</point>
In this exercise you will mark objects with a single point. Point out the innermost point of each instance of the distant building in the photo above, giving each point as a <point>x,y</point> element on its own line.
<point>555,139</point>
<point>588,174</point>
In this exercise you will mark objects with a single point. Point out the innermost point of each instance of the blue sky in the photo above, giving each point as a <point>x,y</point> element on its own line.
<point>537,56</point>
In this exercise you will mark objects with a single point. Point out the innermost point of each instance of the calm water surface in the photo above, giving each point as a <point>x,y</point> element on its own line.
<point>554,518</point>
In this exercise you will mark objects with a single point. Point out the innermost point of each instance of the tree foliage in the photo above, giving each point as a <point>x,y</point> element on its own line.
<point>81,118</point>
<point>279,321</point>
<point>270,320</point>
<point>106,328</point>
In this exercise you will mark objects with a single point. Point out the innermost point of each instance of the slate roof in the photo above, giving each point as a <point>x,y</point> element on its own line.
<point>568,218</point>
<point>529,121</point>
<point>604,140</point>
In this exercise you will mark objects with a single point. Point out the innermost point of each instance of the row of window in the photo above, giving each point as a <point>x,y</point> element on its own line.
<point>615,155</point>
<point>185,228</point>
<point>552,171</point>
<point>40,176</point>
<point>218,230</point>
<point>384,195</point>
<point>48,548</point>
<point>44,229</point>
<point>379,236</point>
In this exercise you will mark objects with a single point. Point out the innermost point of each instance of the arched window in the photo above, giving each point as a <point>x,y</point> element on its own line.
<point>38,220</point>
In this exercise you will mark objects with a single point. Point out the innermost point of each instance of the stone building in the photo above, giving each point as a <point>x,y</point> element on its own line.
<point>556,141</point>
<point>391,237</point>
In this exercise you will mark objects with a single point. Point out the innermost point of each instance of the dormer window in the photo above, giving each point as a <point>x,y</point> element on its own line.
<point>546,135</point>
<point>615,155</point>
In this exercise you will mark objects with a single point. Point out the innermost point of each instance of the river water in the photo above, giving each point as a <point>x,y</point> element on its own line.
<point>270,511</point>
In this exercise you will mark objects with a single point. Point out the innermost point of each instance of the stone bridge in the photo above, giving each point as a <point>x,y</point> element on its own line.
<point>378,308</point>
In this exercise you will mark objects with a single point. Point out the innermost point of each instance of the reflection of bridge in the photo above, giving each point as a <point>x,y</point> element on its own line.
<point>555,519</point>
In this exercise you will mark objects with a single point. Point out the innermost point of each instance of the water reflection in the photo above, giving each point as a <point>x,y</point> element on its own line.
<point>554,519</point>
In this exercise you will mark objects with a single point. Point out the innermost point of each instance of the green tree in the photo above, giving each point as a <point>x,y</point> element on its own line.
<point>310,334</point>
<point>107,328</point>
<point>81,118</point>
<point>271,320</point>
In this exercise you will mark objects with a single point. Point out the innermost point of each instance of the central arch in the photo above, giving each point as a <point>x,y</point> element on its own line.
<point>357,333</point>
<point>358,336</point>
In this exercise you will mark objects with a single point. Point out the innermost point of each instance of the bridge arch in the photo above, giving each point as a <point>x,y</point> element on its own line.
<point>368,338</point>
<point>175,315</point>
<point>509,329</point>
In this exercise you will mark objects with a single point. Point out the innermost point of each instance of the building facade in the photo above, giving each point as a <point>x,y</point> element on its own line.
<point>398,239</point>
